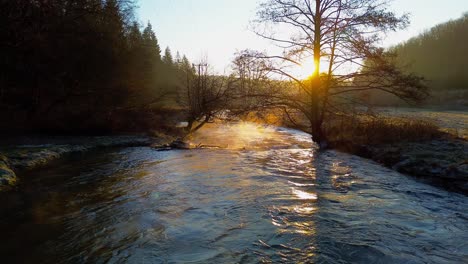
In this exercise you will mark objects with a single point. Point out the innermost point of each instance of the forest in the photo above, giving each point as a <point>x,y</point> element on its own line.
<point>89,67</point>
<point>82,67</point>
<point>439,56</point>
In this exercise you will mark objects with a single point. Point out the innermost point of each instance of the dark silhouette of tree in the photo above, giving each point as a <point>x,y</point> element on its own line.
<point>68,60</point>
<point>204,96</point>
<point>134,36</point>
<point>337,35</point>
<point>150,43</point>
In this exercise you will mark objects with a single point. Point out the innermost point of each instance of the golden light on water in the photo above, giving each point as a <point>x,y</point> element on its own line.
<point>246,130</point>
<point>304,209</point>
<point>304,195</point>
<point>241,135</point>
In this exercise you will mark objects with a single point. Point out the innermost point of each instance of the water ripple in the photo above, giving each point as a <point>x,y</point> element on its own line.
<point>267,198</point>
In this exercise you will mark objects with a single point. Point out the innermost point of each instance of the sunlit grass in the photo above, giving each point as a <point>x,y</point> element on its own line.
<point>372,130</point>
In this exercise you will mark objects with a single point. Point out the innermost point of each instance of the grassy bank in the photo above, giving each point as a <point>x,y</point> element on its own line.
<point>419,148</point>
<point>349,132</point>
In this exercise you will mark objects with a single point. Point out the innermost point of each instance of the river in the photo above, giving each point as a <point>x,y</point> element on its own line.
<point>266,195</point>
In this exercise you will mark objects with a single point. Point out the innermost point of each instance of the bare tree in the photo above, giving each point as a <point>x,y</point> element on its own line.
<point>252,86</point>
<point>340,37</point>
<point>204,95</point>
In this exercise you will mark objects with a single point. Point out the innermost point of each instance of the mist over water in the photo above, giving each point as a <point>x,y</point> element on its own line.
<point>250,136</point>
<point>265,195</point>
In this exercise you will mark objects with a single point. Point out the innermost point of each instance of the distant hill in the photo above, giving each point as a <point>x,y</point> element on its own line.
<point>441,56</point>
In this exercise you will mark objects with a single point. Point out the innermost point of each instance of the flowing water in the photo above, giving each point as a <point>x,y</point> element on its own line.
<point>266,195</point>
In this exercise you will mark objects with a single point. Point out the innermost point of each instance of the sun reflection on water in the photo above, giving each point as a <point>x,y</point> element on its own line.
<point>304,195</point>
<point>304,209</point>
<point>241,135</point>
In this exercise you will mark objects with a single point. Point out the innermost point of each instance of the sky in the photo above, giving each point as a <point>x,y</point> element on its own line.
<point>217,29</point>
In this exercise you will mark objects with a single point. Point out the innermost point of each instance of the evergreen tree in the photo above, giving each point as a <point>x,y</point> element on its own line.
<point>178,59</point>
<point>150,42</point>
<point>134,38</point>
<point>68,60</point>
<point>113,25</point>
<point>439,55</point>
<point>186,65</point>
<point>167,58</point>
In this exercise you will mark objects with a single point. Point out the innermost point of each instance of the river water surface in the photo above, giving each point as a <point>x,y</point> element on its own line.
<point>266,195</point>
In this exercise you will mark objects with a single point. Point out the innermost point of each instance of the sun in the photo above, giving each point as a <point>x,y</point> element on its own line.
<point>305,70</point>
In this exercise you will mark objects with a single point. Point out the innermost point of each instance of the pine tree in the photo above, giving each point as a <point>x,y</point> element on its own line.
<point>134,37</point>
<point>167,58</point>
<point>150,42</point>
<point>113,23</point>
<point>178,59</point>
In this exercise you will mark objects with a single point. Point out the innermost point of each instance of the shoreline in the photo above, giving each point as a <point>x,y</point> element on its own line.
<point>38,152</point>
<point>439,162</point>
<point>442,162</point>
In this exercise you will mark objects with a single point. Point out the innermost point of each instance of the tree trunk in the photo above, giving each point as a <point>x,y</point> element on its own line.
<point>316,121</point>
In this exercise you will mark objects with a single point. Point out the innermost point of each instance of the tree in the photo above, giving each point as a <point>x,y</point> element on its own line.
<point>63,60</point>
<point>204,95</point>
<point>151,45</point>
<point>178,59</point>
<point>337,35</point>
<point>167,58</point>
<point>134,36</point>
<point>446,64</point>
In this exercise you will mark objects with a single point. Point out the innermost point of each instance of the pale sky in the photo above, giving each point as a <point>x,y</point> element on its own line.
<point>219,28</point>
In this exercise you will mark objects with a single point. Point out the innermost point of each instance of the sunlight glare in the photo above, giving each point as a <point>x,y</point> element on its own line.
<point>306,69</point>
<point>304,195</point>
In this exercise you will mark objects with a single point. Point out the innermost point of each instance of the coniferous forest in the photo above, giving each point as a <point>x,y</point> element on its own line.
<point>439,56</point>
<point>81,66</point>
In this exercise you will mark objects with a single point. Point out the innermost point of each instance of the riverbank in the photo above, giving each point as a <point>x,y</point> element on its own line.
<point>20,154</point>
<point>437,158</point>
<point>427,144</point>
<point>442,162</point>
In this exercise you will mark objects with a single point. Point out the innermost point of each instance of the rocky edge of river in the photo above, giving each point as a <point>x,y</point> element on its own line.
<point>16,158</point>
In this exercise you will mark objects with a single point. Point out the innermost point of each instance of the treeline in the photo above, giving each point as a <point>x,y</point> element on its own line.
<point>440,56</point>
<point>77,66</point>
